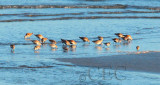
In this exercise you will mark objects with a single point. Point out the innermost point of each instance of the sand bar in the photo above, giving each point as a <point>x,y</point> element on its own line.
<point>146,62</point>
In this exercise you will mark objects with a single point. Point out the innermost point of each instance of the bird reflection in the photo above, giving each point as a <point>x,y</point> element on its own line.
<point>36,51</point>
<point>27,39</point>
<point>126,43</point>
<point>53,49</point>
<point>44,44</point>
<point>85,45</point>
<point>98,47</point>
<point>12,51</point>
<point>116,46</point>
<point>107,49</point>
<point>65,48</point>
<point>73,48</point>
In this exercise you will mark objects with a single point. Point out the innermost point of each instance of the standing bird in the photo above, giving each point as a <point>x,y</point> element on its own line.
<point>53,46</point>
<point>12,47</point>
<point>85,39</point>
<point>37,47</point>
<point>72,42</point>
<point>66,42</point>
<point>44,40</point>
<point>39,36</point>
<point>100,38</point>
<point>98,42</point>
<point>120,35</point>
<point>116,40</point>
<point>137,48</point>
<point>36,42</point>
<point>28,35</point>
<point>128,36</point>
<point>53,41</point>
<point>107,44</point>
<point>125,38</point>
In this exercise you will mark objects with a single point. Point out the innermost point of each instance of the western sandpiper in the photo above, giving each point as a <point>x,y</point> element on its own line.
<point>28,35</point>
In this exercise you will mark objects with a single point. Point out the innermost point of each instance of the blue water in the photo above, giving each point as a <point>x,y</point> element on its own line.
<point>27,67</point>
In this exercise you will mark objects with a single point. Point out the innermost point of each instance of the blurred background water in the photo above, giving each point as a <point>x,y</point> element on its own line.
<point>70,19</point>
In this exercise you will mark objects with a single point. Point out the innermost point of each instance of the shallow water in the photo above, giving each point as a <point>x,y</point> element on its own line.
<point>63,20</point>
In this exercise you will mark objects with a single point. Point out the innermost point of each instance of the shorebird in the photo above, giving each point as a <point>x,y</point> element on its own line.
<point>100,38</point>
<point>66,42</point>
<point>72,42</point>
<point>36,42</point>
<point>98,42</point>
<point>53,46</point>
<point>116,40</point>
<point>137,48</point>
<point>44,40</point>
<point>85,39</point>
<point>28,35</point>
<point>107,44</point>
<point>37,47</point>
<point>125,38</point>
<point>39,36</point>
<point>120,35</point>
<point>53,41</point>
<point>12,47</point>
<point>128,36</point>
<point>65,48</point>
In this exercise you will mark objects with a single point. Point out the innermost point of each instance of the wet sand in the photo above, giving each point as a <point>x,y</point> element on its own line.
<point>145,62</point>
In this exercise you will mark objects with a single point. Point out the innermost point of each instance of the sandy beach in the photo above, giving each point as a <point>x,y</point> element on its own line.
<point>145,62</point>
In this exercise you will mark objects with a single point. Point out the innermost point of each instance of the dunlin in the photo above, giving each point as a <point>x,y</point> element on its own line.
<point>98,42</point>
<point>100,38</point>
<point>128,36</point>
<point>36,42</point>
<point>116,40</point>
<point>119,35</point>
<point>85,39</point>
<point>66,42</point>
<point>12,47</point>
<point>125,38</point>
<point>137,48</point>
<point>53,41</point>
<point>72,42</point>
<point>107,44</point>
<point>53,46</point>
<point>37,47</point>
<point>44,40</point>
<point>28,35</point>
<point>39,36</point>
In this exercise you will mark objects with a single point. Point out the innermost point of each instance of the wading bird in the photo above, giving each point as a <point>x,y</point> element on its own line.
<point>120,35</point>
<point>36,42</point>
<point>12,47</point>
<point>53,41</point>
<point>53,46</point>
<point>107,44</point>
<point>98,42</point>
<point>85,39</point>
<point>137,48</point>
<point>44,40</point>
<point>39,36</point>
<point>116,40</point>
<point>72,42</point>
<point>66,42</point>
<point>28,35</point>
<point>37,47</point>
